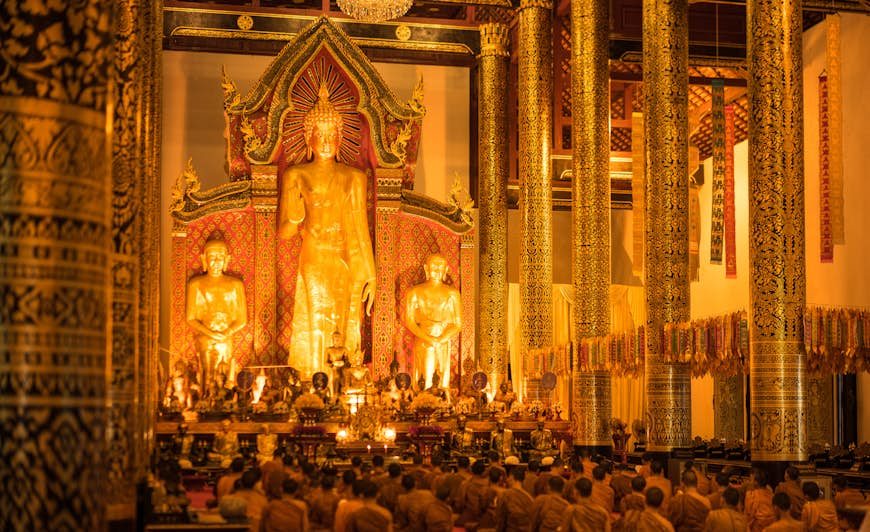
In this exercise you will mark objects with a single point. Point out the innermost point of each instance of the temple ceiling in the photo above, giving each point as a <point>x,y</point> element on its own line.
<point>445,32</point>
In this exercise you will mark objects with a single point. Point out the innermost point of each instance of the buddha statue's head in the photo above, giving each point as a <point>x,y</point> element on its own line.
<point>323,125</point>
<point>215,256</point>
<point>436,268</point>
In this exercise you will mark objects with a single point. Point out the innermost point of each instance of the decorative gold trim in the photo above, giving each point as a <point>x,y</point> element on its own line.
<point>432,209</point>
<point>495,40</point>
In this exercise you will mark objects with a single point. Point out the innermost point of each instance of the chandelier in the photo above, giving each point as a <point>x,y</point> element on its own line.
<point>374,10</point>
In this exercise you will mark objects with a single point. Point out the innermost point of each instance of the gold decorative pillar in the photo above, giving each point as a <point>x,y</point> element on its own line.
<point>134,259</point>
<point>590,272</point>
<point>55,231</point>
<point>535,139</point>
<point>778,380</point>
<point>493,169</point>
<point>665,64</point>
<point>728,408</point>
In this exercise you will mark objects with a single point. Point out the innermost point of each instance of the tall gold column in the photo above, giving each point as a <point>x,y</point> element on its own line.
<point>590,139</point>
<point>777,370</point>
<point>135,204</point>
<point>535,140</point>
<point>493,169</point>
<point>665,64</point>
<point>54,263</point>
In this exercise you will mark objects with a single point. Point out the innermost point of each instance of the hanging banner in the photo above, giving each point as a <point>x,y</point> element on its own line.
<point>717,219</point>
<point>826,236</point>
<point>730,231</point>
<point>694,233</point>
<point>835,129</point>
<point>638,194</point>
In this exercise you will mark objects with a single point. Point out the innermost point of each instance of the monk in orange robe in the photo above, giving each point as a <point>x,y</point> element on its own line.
<point>471,501</point>
<point>602,494</point>
<point>704,485</point>
<point>585,515</point>
<point>819,515</point>
<point>657,479</point>
<point>785,522</point>
<point>846,496</point>
<point>720,482</point>
<point>347,507</point>
<point>650,519</point>
<point>411,505</point>
<point>225,483</point>
<point>370,517</point>
<point>531,477</point>
<point>636,499</point>
<point>576,474</point>
<point>391,488</point>
<point>439,515</point>
<point>549,508</point>
<point>688,510</point>
<point>324,501</point>
<point>513,509</point>
<point>758,503</point>
<point>621,484</point>
<point>284,512</point>
<point>791,486</point>
<point>727,518</point>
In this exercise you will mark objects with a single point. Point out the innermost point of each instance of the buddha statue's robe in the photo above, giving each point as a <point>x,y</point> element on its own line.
<point>820,516</point>
<point>585,516</point>
<point>688,511</point>
<point>547,512</point>
<point>725,520</point>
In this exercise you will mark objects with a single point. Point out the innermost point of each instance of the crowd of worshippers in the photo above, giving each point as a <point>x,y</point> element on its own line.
<point>292,494</point>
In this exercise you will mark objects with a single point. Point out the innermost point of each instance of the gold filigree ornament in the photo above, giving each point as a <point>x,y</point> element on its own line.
<point>231,92</point>
<point>399,146</point>
<point>245,22</point>
<point>416,101</point>
<point>375,10</point>
<point>253,142</point>
<point>187,183</point>
<point>403,32</point>
<point>461,200</point>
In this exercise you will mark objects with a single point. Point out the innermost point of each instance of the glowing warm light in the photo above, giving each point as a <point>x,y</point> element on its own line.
<point>389,434</point>
<point>375,10</point>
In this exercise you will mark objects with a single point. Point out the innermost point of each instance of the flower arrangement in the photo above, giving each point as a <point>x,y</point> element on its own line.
<point>303,430</point>
<point>517,409</point>
<point>536,408</point>
<point>422,430</point>
<point>618,426</point>
<point>425,401</point>
<point>309,400</point>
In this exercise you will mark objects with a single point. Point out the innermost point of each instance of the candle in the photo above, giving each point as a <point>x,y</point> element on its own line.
<point>369,447</point>
<point>385,448</point>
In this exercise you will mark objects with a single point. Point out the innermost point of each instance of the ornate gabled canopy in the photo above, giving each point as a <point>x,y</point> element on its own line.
<point>380,131</point>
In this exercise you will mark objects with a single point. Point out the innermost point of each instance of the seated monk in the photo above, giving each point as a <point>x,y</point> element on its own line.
<point>283,511</point>
<point>636,499</point>
<point>549,508</point>
<point>649,519</point>
<point>791,486</point>
<point>703,482</point>
<point>844,495</point>
<point>585,514</point>
<point>720,482</point>
<point>411,505</point>
<point>688,510</point>
<point>758,502</point>
<point>439,515</point>
<point>254,500</point>
<point>656,479</point>
<point>513,509</point>
<point>621,483</point>
<point>726,518</point>
<point>470,502</point>
<point>784,522</point>
<point>324,502</point>
<point>371,517</point>
<point>602,494</point>
<point>819,515</point>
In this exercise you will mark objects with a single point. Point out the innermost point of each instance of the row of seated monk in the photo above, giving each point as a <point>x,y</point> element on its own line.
<point>291,493</point>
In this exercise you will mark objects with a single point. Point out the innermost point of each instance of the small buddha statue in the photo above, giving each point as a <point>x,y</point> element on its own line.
<point>216,310</point>
<point>183,443</point>
<point>226,445</point>
<point>431,312</point>
<point>267,444</point>
<point>462,439</point>
<point>542,442</point>
<point>337,358</point>
<point>501,440</point>
<point>357,377</point>
<point>320,387</point>
<point>505,394</point>
<point>292,388</point>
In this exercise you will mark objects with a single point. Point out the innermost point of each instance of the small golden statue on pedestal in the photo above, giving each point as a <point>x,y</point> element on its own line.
<point>431,311</point>
<point>226,445</point>
<point>216,310</point>
<point>542,442</point>
<point>501,440</point>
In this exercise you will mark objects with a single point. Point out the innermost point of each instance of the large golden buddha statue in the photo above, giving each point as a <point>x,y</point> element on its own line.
<point>431,311</point>
<point>325,201</point>
<point>216,310</point>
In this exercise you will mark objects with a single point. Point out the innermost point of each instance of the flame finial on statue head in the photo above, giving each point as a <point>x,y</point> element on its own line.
<point>323,114</point>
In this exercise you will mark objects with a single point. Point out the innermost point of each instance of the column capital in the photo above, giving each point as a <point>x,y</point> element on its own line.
<point>545,4</point>
<point>494,40</point>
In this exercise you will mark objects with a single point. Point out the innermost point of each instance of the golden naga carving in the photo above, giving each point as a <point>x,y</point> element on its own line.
<point>325,201</point>
<point>432,312</point>
<point>252,140</point>
<point>187,183</point>
<point>216,310</point>
<point>461,200</point>
<point>231,92</point>
<point>416,101</point>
